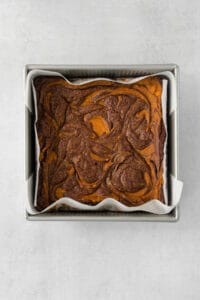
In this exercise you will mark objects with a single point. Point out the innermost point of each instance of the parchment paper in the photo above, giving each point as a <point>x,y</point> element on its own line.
<point>154,205</point>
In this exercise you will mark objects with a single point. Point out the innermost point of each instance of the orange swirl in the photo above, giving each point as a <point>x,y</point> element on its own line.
<point>100,139</point>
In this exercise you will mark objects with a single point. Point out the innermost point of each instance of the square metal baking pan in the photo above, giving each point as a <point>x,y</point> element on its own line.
<point>111,71</point>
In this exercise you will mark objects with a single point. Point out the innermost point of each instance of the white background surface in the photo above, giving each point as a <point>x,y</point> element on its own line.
<point>98,260</point>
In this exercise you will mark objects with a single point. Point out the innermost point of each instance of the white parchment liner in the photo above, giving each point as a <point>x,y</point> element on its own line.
<point>154,205</point>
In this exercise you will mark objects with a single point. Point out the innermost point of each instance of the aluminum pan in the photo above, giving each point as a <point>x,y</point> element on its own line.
<point>105,71</point>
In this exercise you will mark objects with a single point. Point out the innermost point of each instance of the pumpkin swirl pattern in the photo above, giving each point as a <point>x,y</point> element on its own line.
<point>99,139</point>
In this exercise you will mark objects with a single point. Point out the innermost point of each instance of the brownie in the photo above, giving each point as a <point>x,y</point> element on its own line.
<point>98,140</point>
